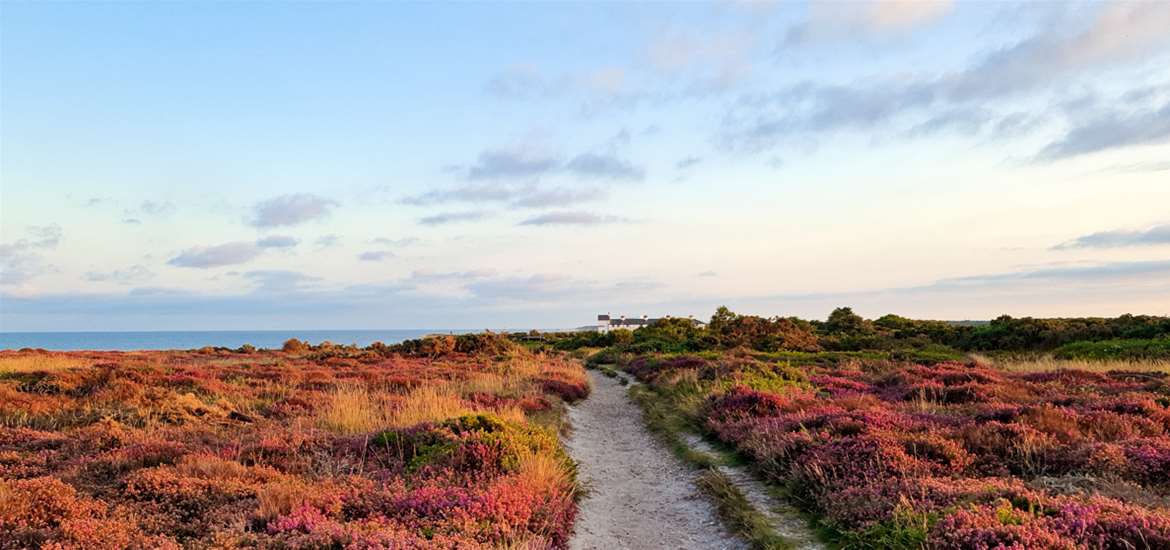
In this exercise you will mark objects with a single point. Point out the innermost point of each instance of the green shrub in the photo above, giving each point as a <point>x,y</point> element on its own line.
<point>1116,349</point>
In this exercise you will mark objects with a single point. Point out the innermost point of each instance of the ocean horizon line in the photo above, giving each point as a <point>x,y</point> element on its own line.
<point>149,340</point>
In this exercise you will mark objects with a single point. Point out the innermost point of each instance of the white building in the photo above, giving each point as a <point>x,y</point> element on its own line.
<point>606,323</point>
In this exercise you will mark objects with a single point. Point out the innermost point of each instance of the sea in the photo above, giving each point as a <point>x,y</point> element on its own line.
<point>165,340</point>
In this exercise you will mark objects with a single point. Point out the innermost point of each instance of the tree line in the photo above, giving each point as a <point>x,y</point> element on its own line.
<point>845,330</point>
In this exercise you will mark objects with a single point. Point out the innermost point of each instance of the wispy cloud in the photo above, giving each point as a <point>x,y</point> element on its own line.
<point>280,281</point>
<point>604,166</point>
<point>526,163</point>
<point>453,217</point>
<point>205,257</point>
<point>131,275</point>
<point>405,241</point>
<point>573,218</point>
<point>526,195</point>
<point>1156,235</point>
<point>328,241</point>
<point>962,101</point>
<point>42,236</point>
<point>831,20</point>
<point>515,163</point>
<point>23,260</point>
<point>1088,273</point>
<point>156,208</point>
<point>1111,130</point>
<point>277,241</point>
<point>375,255</point>
<point>292,209</point>
<point>510,194</point>
<point>558,197</point>
<point>470,193</point>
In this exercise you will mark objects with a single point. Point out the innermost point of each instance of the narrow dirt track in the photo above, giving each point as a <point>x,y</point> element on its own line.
<point>640,495</point>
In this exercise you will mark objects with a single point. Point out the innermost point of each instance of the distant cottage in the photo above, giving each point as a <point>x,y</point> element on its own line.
<point>606,323</point>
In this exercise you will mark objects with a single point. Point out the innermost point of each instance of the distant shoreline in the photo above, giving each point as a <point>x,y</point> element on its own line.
<point>193,339</point>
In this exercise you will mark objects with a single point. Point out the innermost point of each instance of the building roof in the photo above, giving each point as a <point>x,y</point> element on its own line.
<point>635,321</point>
<point>641,321</point>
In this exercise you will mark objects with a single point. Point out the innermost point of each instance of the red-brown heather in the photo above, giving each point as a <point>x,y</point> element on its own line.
<point>314,447</point>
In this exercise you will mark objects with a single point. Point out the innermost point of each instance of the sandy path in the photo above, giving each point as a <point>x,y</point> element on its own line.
<point>640,495</point>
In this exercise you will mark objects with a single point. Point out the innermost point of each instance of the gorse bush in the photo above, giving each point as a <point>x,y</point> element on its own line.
<point>318,447</point>
<point>292,345</point>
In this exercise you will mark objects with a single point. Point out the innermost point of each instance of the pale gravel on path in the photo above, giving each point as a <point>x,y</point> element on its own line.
<point>639,494</point>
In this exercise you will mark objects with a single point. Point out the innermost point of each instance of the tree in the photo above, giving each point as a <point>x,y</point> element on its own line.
<point>721,319</point>
<point>843,321</point>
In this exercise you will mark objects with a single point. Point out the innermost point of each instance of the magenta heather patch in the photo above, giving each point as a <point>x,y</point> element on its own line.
<point>955,444</point>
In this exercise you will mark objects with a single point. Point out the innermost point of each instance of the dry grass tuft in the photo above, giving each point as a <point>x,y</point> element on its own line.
<point>512,414</point>
<point>352,409</point>
<point>40,363</point>
<point>427,404</point>
<point>1048,363</point>
<point>544,472</point>
<point>483,383</point>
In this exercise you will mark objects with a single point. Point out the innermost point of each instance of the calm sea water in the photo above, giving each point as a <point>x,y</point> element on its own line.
<point>122,341</point>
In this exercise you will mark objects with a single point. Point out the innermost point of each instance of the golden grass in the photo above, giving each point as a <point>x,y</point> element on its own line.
<point>520,367</point>
<point>483,382</point>
<point>543,471</point>
<point>352,409</point>
<point>1049,363</point>
<point>512,414</point>
<point>427,404</point>
<point>39,363</point>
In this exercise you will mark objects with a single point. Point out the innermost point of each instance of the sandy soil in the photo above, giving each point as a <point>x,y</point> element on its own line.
<point>640,495</point>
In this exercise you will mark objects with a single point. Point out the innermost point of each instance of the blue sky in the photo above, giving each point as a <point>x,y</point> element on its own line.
<point>386,165</point>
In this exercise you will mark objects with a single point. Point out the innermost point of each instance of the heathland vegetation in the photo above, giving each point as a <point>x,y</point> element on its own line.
<point>886,433</point>
<point>898,433</point>
<point>449,444</point>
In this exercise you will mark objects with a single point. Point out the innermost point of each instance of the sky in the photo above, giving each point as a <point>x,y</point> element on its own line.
<point>268,165</point>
